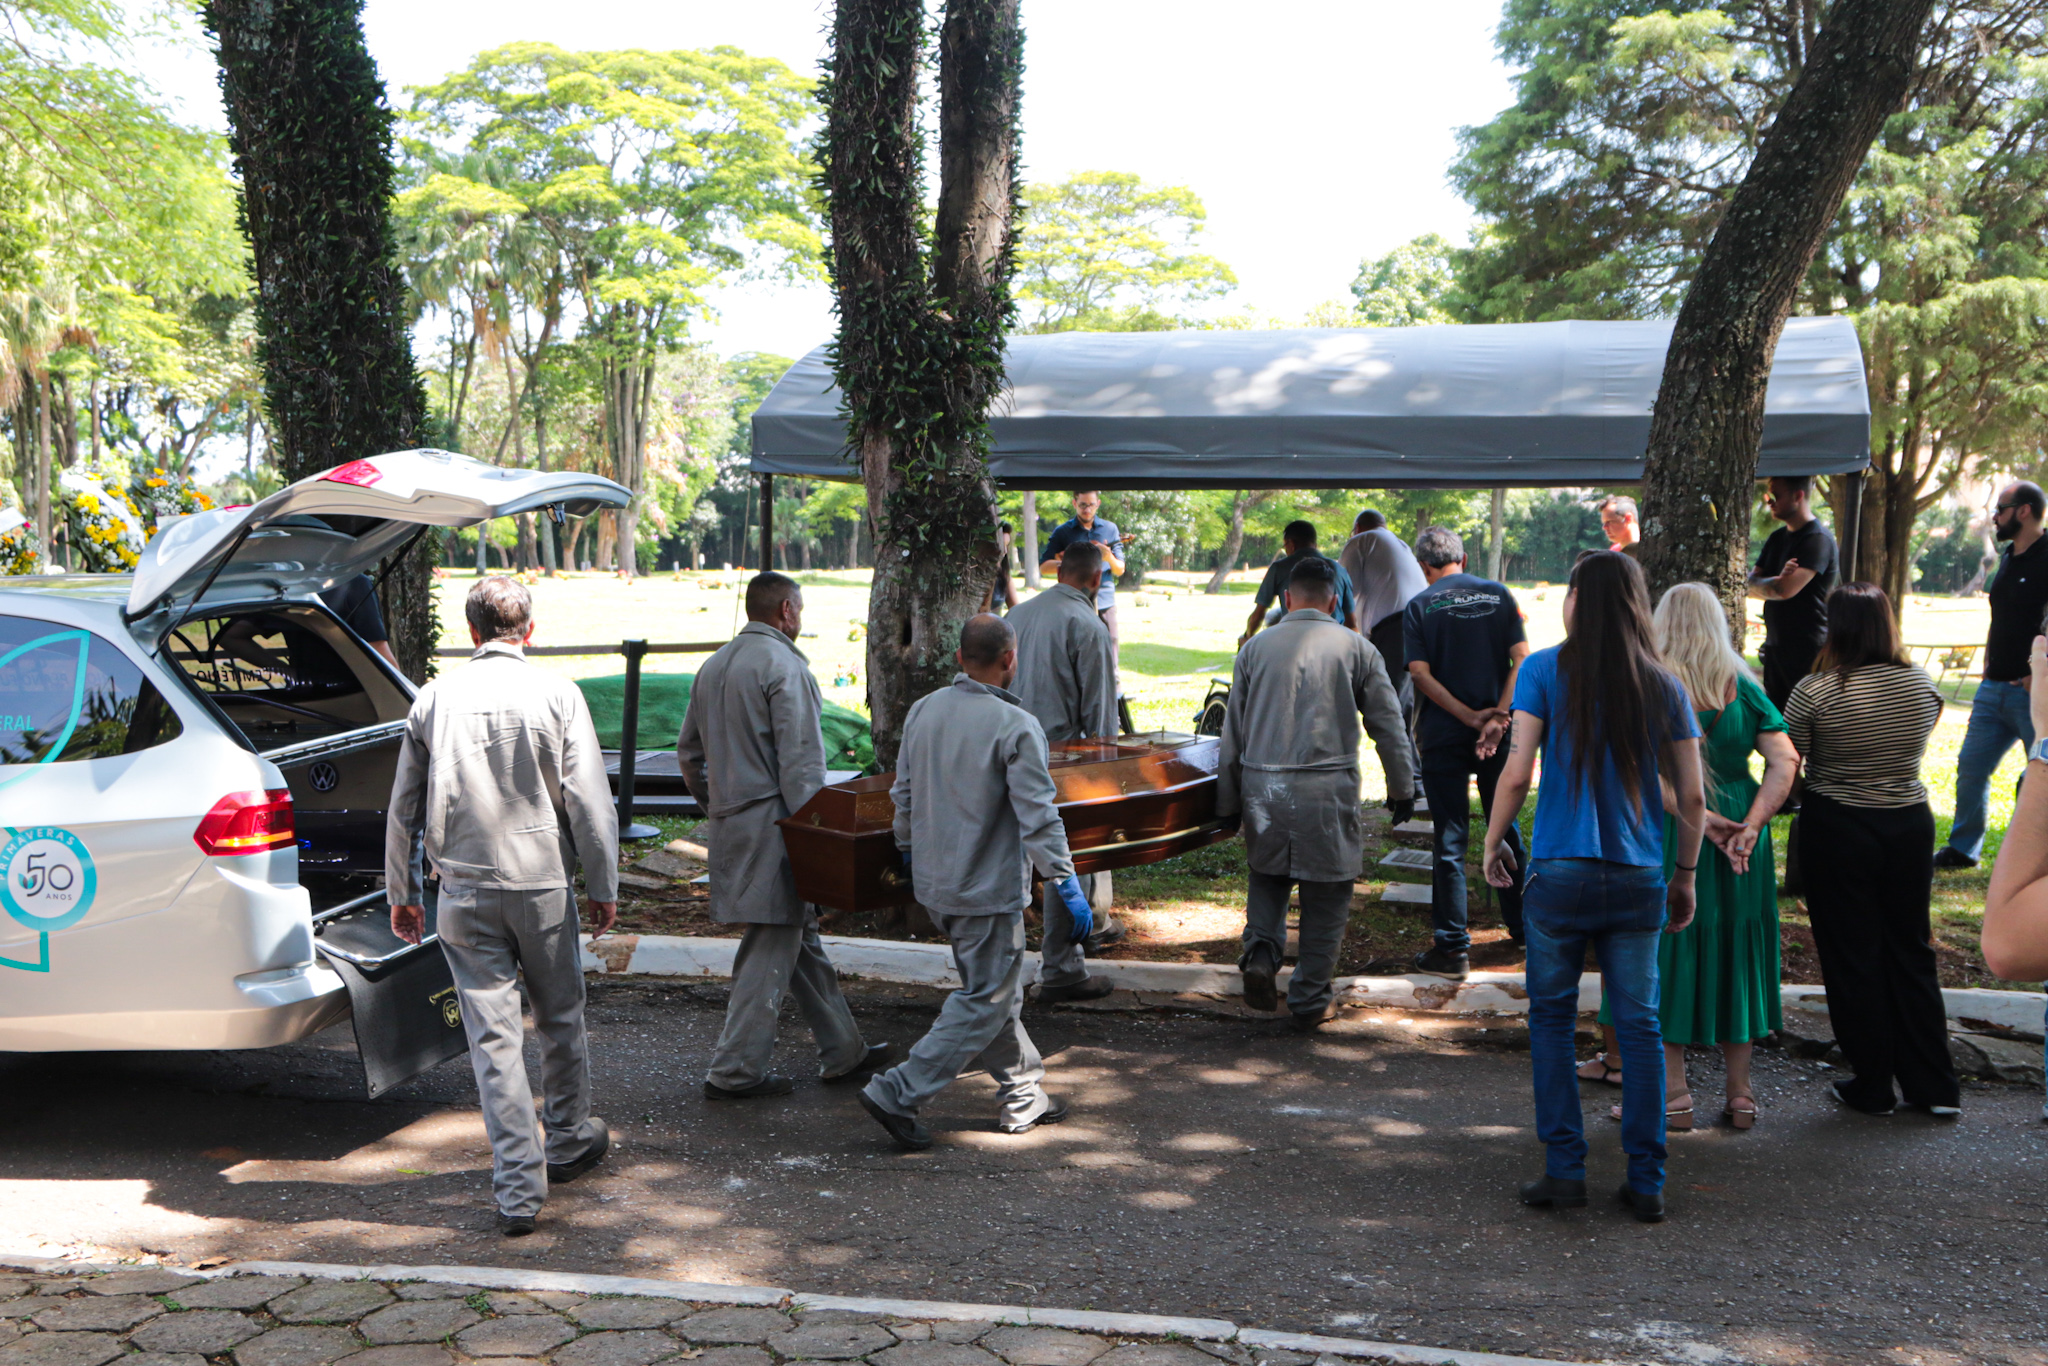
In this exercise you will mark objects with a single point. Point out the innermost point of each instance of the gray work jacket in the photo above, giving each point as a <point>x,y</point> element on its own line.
<point>1066,665</point>
<point>974,801</point>
<point>500,783</point>
<point>1289,758</point>
<point>751,752</point>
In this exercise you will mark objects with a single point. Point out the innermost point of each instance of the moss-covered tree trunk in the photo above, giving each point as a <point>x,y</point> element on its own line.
<point>311,136</point>
<point>1707,426</point>
<point>919,354</point>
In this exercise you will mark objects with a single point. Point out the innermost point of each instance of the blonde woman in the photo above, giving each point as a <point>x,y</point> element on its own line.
<point>1720,974</point>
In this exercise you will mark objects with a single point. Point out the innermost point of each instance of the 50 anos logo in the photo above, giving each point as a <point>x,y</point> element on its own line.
<point>47,881</point>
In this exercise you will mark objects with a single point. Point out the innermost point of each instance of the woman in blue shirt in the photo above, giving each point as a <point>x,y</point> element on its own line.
<point>1608,719</point>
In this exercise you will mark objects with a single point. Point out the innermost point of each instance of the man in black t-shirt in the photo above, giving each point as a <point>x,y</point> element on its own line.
<point>1795,573</point>
<point>2000,710</point>
<point>355,602</point>
<point>1297,543</point>
<point>1463,639</point>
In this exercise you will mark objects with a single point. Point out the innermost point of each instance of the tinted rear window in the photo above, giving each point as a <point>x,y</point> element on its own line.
<point>284,675</point>
<point>67,694</point>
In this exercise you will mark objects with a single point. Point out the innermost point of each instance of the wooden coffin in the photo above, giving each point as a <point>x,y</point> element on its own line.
<point>1133,800</point>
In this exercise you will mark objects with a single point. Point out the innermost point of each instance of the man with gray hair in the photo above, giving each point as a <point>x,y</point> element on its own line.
<point>975,813</point>
<point>501,789</point>
<point>1464,643</point>
<point>1287,772</point>
<point>751,752</point>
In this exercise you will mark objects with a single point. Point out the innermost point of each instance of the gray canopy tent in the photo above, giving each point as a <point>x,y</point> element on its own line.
<point>1563,404</point>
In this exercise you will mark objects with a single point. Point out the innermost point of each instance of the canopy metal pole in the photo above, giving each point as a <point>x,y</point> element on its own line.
<point>767,522</point>
<point>1855,524</point>
<point>1493,534</point>
<point>629,743</point>
<point>1029,541</point>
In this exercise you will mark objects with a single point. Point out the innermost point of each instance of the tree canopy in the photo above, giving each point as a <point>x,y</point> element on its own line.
<point>1103,252</point>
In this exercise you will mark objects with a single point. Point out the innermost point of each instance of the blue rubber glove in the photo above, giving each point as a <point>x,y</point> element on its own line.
<point>1077,907</point>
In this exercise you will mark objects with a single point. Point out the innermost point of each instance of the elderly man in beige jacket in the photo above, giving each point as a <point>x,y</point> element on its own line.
<point>1288,770</point>
<point>501,788</point>
<point>751,752</point>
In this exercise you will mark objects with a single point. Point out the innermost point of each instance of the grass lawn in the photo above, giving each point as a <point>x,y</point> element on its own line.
<point>1176,640</point>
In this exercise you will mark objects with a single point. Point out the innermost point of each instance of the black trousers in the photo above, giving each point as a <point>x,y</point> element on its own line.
<point>1869,875</point>
<point>1785,663</point>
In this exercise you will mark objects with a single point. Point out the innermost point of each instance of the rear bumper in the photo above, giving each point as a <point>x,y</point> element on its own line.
<point>279,1006</point>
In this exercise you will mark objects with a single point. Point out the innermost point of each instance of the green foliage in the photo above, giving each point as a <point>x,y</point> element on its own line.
<point>1101,252</point>
<point>1161,523</point>
<point>1948,549</point>
<point>1409,286</point>
<point>1543,531</point>
<point>312,146</point>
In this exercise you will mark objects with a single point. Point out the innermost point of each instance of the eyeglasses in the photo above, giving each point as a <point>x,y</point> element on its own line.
<point>2005,507</point>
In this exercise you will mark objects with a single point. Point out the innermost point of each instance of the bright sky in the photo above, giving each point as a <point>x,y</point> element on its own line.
<point>1316,131</point>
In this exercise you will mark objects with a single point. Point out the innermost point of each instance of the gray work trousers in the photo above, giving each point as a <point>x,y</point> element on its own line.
<point>494,936</point>
<point>978,1028</point>
<point>774,960</point>
<point>1062,960</point>
<point>1325,914</point>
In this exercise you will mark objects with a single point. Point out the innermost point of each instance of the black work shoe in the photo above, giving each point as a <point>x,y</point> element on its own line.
<point>1261,992</point>
<point>879,1058</point>
<point>770,1085</point>
<point>1108,930</point>
<point>1647,1205</point>
<point>1093,987</point>
<point>1443,963</point>
<point>1055,1111</point>
<point>905,1129</point>
<point>562,1173</point>
<point>515,1225</point>
<point>1948,856</point>
<point>1554,1192</point>
<point>1308,1021</point>
<point>1876,1111</point>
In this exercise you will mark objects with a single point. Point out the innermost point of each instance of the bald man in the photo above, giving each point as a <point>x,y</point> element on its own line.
<point>974,814</point>
<point>751,752</point>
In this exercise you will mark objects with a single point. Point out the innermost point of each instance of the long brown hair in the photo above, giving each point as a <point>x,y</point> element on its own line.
<point>1618,695</point>
<point>1861,630</point>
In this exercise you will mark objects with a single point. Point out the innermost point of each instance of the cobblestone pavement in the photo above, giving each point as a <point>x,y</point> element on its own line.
<point>1358,1182</point>
<point>159,1317</point>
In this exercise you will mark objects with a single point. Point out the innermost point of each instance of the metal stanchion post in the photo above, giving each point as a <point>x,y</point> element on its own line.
<point>629,743</point>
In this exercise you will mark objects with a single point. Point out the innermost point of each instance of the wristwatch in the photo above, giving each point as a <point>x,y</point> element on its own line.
<point>2038,751</point>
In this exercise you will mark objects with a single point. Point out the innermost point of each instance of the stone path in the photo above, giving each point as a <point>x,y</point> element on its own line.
<point>157,1316</point>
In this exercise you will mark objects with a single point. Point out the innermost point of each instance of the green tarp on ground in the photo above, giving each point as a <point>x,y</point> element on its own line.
<point>664,698</point>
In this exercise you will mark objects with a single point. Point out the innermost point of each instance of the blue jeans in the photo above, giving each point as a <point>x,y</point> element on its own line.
<point>1447,782</point>
<point>1618,909</point>
<point>1999,719</point>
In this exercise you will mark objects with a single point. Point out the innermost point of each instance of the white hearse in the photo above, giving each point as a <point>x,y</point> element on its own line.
<point>195,763</point>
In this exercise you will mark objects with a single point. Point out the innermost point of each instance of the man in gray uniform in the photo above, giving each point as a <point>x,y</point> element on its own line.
<point>974,814</point>
<point>751,752</point>
<point>1288,770</point>
<point>501,787</point>
<point>1066,678</point>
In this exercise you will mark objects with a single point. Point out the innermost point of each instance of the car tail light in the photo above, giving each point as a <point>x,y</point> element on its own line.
<point>358,472</point>
<point>247,823</point>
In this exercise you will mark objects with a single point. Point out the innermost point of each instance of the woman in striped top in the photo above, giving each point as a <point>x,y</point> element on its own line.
<point>1861,719</point>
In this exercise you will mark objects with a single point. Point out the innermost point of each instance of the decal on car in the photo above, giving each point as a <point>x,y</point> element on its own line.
<point>47,883</point>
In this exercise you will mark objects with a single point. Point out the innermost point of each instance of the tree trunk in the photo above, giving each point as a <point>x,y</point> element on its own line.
<point>920,357</point>
<point>1700,475</point>
<point>43,471</point>
<point>311,137</point>
<point>1029,540</point>
<point>1241,502</point>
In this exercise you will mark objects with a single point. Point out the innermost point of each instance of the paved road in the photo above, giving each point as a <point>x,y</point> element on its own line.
<point>1359,1182</point>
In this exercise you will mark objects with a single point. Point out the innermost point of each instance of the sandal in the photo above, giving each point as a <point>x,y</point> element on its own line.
<point>1606,1076</point>
<point>1740,1112</point>
<point>1677,1118</point>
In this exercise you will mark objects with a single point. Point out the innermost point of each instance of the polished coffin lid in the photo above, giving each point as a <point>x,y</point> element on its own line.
<point>1125,801</point>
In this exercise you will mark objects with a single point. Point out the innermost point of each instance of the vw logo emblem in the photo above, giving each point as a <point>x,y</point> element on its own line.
<point>324,776</point>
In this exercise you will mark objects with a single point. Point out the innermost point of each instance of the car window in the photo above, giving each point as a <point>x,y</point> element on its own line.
<point>67,694</point>
<point>284,675</point>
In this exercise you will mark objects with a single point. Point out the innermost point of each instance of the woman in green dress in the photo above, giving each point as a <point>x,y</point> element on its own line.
<point>1718,977</point>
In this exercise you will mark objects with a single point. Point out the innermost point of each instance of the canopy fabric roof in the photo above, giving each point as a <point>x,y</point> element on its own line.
<point>1514,404</point>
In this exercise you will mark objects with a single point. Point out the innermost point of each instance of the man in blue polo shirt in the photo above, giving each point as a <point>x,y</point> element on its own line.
<point>1086,526</point>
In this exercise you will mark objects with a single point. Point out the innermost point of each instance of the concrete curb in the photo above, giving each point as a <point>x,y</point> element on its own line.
<point>1085,1320</point>
<point>1502,993</point>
